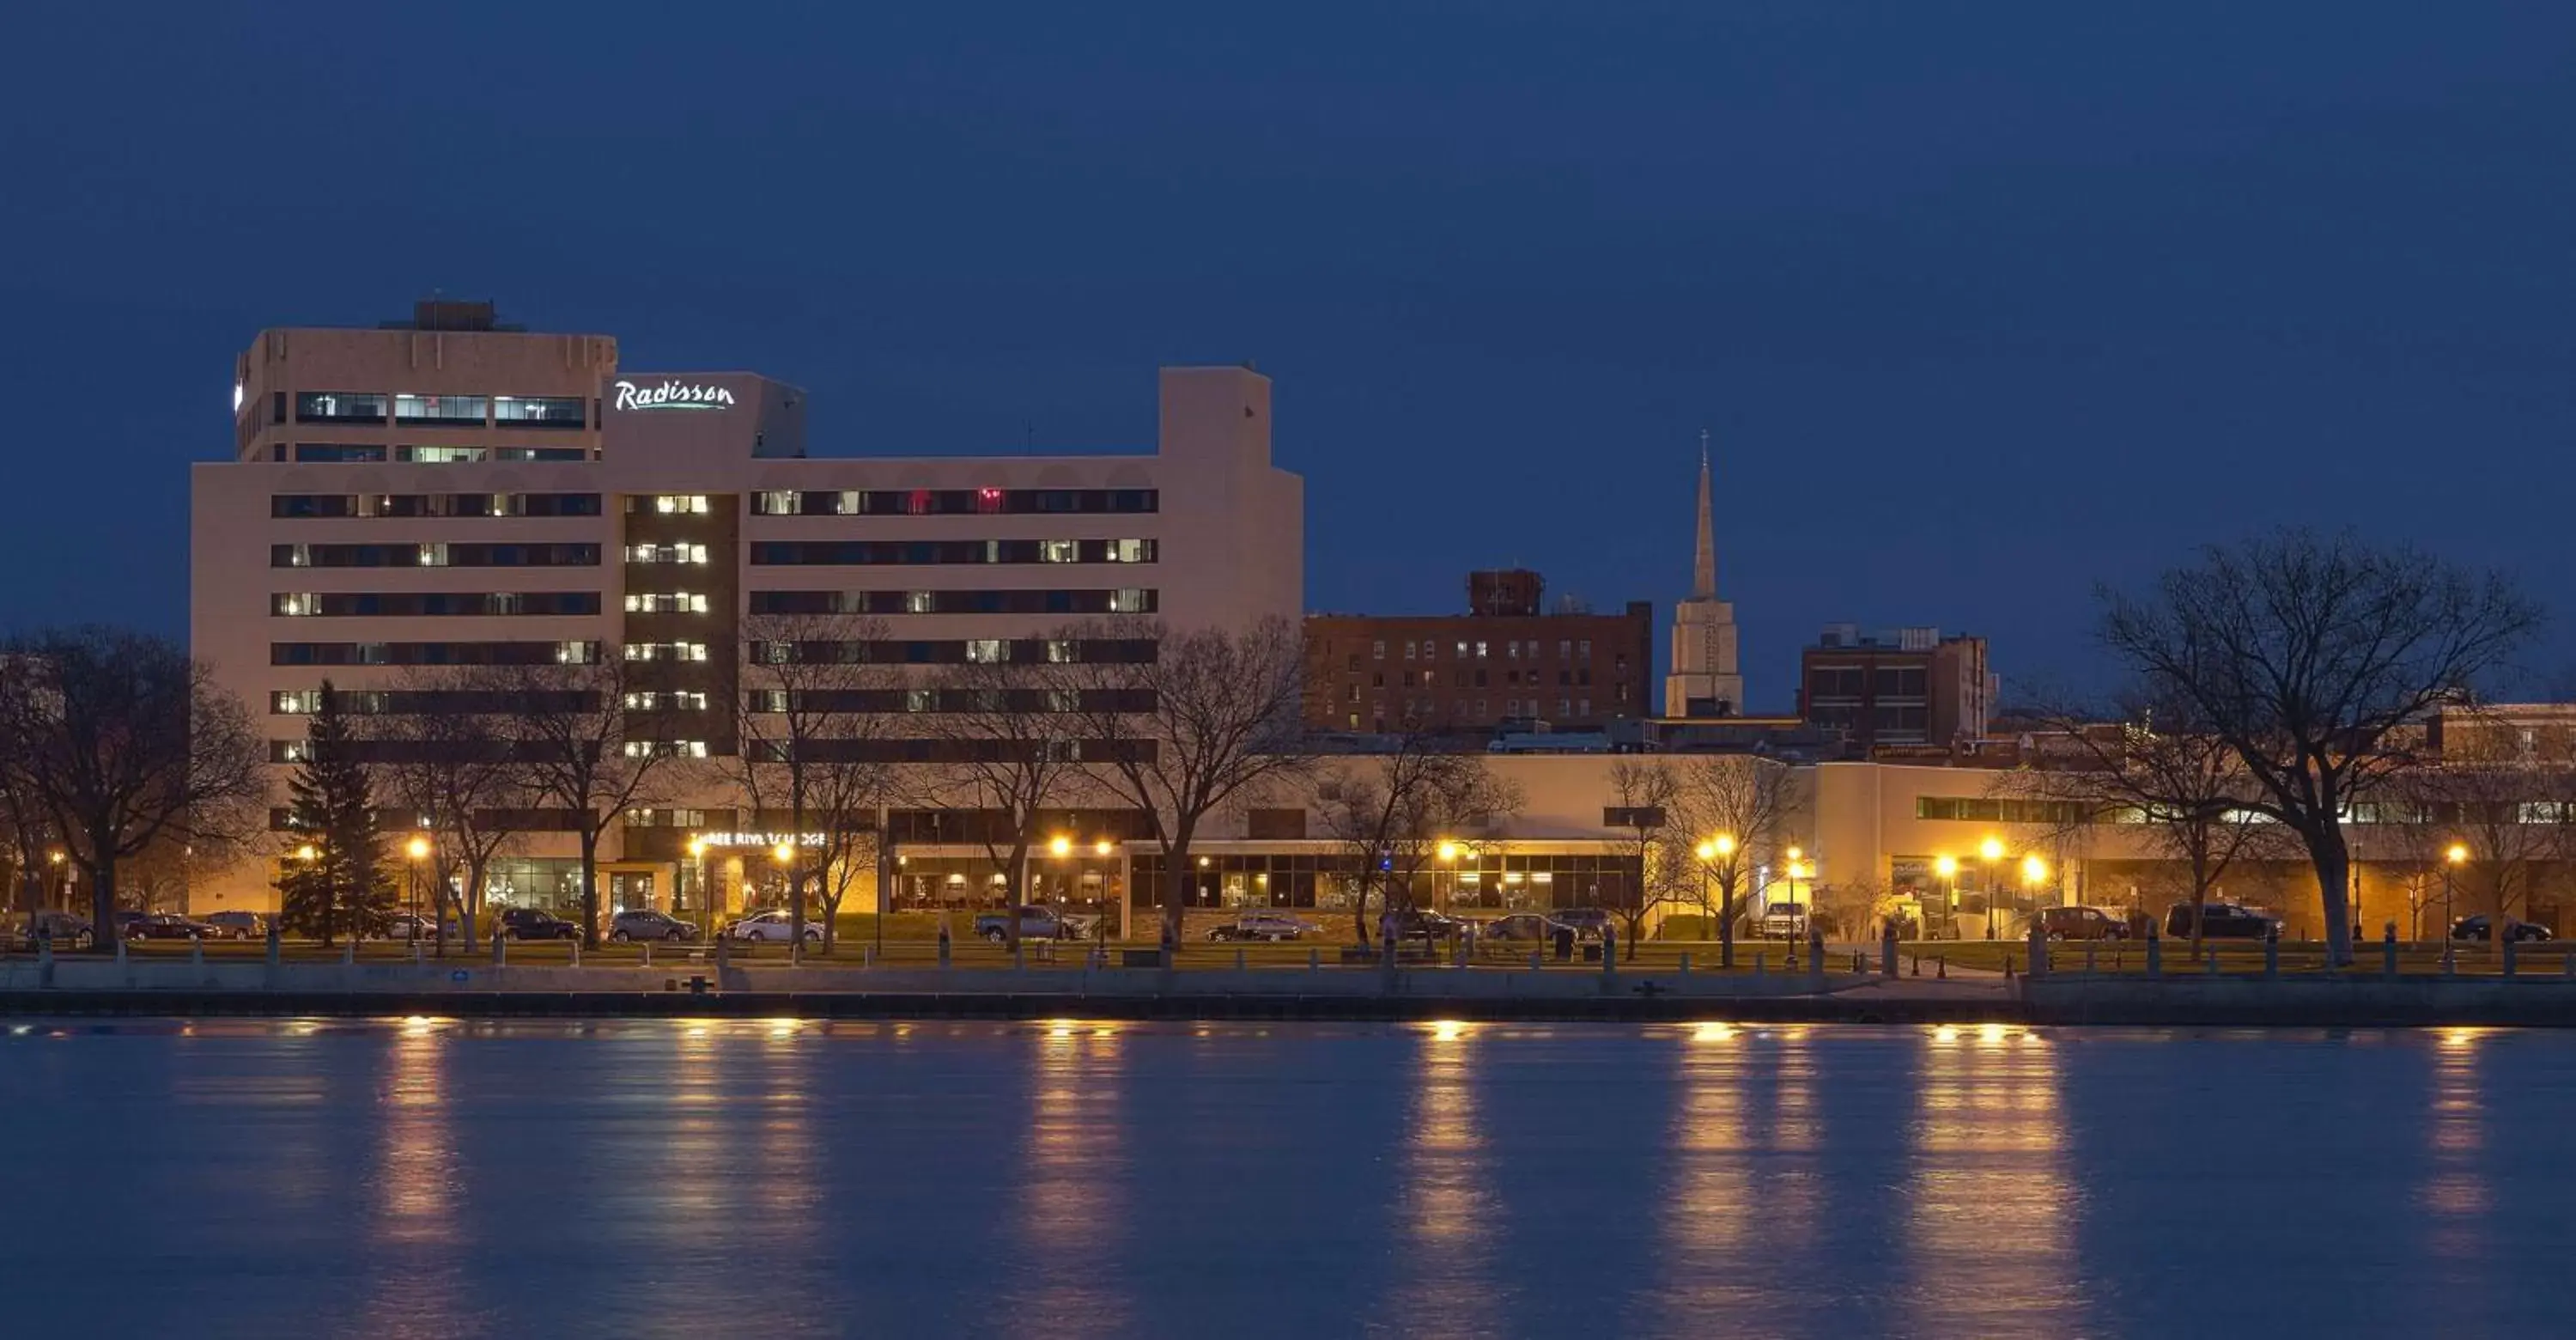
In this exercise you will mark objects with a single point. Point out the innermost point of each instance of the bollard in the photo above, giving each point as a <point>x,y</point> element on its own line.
<point>1887,951</point>
<point>1685,965</point>
<point>2388,951</point>
<point>868,956</point>
<point>2569,969</point>
<point>272,944</point>
<point>2272,955</point>
<point>415,950</point>
<point>500,949</point>
<point>1941,968</point>
<point>1759,969</point>
<point>724,954</point>
<point>1609,952</point>
<point>120,953</point>
<point>45,959</point>
<point>2038,951</point>
<point>2155,955</point>
<point>2509,948</point>
<point>1019,953</point>
<point>1314,959</point>
<point>648,953</point>
<point>349,954</point>
<point>2008,972</point>
<point>2209,960</point>
<point>1238,958</point>
<point>1916,965</point>
<point>1536,961</point>
<point>2088,958</point>
<point>197,956</point>
<point>1386,961</point>
<point>576,953</point>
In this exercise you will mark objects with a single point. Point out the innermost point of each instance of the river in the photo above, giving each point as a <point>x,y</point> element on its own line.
<point>438,1179</point>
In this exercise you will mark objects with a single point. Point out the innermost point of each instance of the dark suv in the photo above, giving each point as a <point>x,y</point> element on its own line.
<point>527,923</point>
<point>2220,921</point>
<point>2478,927</point>
<point>2081,923</point>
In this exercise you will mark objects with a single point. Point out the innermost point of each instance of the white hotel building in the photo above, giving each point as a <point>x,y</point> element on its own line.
<point>449,491</point>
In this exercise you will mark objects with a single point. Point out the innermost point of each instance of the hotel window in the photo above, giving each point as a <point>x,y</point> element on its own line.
<point>286,751</point>
<point>774,502</point>
<point>295,702</point>
<point>538,411</point>
<point>326,453</point>
<point>987,651</point>
<point>446,409</point>
<point>1064,700</point>
<point>917,700</point>
<point>541,454</point>
<point>339,407</point>
<point>680,504</point>
<point>290,556</point>
<point>988,501</point>
<point>440,456</point>
<point>1512,649</point>
<point>293,604</point>
<point>433,556</point>
<point>666,749</point>
<point>1481,650</point>
<point>666,651</point>
<point>1462,651</point>
<point>666,553</point>
<point>1057,551</point>
<point>1063,651</point>
<point>658,701</point>
<point>661,602</point>
<point>920,602</point>
<point>1130,551</point>
<point>1377,651</point>
<point>1408,655</point>
<point>577,653</point>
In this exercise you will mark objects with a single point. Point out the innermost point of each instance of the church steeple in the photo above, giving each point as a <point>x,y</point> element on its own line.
<point>1704,564</point>
<point>1704,679</point>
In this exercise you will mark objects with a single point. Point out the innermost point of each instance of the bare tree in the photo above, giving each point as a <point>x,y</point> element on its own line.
<point>814,725</point>
<point>1390,812</point>
<point>2506,795</point>
<point>449,756</point>
<point>583,752</point>
<point>1734,808</point>
<point>2306,655</point>
<point>2153,760</point>
<point>1644,793</point>
<point>120,741</point>
<point>1212,718</point>
<point>1010,745</point>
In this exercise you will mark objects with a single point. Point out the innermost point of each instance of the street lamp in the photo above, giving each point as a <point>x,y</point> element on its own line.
<point>1993,850</point>
<point>2034,872</point>
<point>418,850</point>
<point>2451,861</point>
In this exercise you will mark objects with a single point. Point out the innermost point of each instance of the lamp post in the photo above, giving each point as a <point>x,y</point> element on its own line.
<point>2034,872</point>
<point>1992,849</point>
<point>1104,849</point>
<point>418,850</point>
<point>698,872</point>
<point>1947,867</point>
<point>785,854</point>
<point>2451,861</point>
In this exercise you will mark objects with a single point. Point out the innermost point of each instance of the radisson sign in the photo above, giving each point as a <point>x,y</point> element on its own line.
<point>671,395</point>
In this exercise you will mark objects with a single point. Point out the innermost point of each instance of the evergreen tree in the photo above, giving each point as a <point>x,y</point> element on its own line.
<point>335,880</point>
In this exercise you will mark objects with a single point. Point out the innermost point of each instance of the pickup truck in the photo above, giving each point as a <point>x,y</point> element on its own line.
<point>1784,921</point>
<point>1036,923</point>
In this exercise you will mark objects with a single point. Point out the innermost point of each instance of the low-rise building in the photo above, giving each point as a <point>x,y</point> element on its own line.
<point>1505,662</point>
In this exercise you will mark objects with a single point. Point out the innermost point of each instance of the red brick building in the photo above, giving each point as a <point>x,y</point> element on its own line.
<point>1504,663</point>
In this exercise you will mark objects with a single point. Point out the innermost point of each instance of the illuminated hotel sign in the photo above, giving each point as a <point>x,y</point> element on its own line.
<point>672,395</point>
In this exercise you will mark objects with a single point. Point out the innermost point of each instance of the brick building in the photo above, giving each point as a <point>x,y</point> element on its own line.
<point>1505,662</point>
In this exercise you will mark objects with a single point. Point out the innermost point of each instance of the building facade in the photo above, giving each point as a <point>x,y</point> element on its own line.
<point>452,492</point>
<point>1504,663</point>
<point>1909,686</point>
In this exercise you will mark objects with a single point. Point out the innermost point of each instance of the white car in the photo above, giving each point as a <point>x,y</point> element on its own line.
<point>771,925</point>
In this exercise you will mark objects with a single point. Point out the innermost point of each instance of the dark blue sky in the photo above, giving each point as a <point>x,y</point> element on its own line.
<point>1983,302</point>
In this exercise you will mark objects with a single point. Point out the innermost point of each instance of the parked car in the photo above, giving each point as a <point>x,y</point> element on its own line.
<point>528,923</point>
<point>405,926</point>
<point>2220,921</point>
<point>2081,923</point>
<point>760,927</point>
<point>1421,923</point>
<point>2479,928</point>
<point>167,926</point>
<point>63,928</point>
<point>646,924</point>
<point>1264,926</point>
<point>1037,922</point>
<point>238,925</point>
<point>1784,921</point>
<point>129,923</point>
<point>1521,928</point>
<point>1587,923</point>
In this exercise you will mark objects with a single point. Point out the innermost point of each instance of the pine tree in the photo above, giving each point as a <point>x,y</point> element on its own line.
<point>335,880</point>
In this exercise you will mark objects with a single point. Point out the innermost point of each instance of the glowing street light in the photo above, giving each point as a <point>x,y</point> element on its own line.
<point>2451,861</point>
<point>1060,846</point>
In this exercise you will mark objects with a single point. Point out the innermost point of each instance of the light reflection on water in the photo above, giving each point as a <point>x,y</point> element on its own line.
<point>441,1178</point>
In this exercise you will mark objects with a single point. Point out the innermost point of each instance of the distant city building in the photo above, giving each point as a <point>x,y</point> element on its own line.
<point>1705,681</point>
<point>1502,664</point>
<point>452,491</point>
<point>1907,686</point>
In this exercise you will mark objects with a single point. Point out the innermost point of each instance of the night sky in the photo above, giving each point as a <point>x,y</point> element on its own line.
<point>1982,302</point>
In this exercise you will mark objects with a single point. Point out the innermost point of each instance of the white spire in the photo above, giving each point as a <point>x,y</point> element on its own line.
<point>1704,562</point>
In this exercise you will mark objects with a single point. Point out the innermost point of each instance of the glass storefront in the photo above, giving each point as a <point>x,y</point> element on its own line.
<point>1500,882</point>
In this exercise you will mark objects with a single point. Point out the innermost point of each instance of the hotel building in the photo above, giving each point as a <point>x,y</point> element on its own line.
<point>450,491</point>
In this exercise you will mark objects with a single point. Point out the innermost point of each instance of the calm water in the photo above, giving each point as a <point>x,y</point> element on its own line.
<point>429,1179</point>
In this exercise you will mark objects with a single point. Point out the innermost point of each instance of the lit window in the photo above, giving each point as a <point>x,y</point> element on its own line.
<point>293,603</point>
<point>577,653</point>
<point>1063,652</point>
<point>298,555</point>
<point>1481,650</point>
<point>1064,700</point>
<point>540,410</point>
<point>665,602</point>
<point>919,602</point>
<point>433,555</point>
<point>988,651</point>
<point>1059,551</point>
<point>666,749</point>
<point>678,504</point>
<point>1408,655</point>
<point>1131,600</point>
<point>1377,651</point>
<point>916,700</point>
<point>775,502</point>
<point>1131,551</point>
<point>439,455</point>
<point>1462,651</point>
<point>295,702</point>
